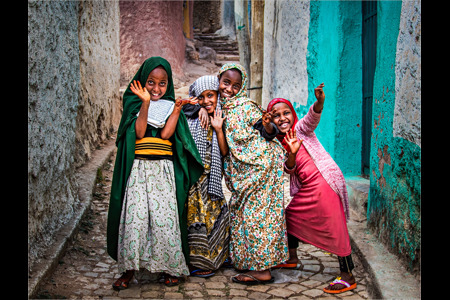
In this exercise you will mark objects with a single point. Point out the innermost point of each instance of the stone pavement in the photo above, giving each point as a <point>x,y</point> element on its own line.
<point>86,271</point>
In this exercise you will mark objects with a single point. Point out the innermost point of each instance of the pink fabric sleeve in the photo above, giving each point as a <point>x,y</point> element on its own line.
<point>309,122</point>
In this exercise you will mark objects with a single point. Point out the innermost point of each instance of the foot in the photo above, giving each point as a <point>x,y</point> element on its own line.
<point>336,287</point>
<point>197,272</point>
<point>124,280</point>
<point>170,280</point>
<point>260,275</point>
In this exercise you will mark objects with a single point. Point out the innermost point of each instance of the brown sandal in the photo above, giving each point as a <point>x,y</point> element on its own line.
<point>123,282</point>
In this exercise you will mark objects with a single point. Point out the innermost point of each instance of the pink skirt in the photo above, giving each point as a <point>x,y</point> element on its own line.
<point>315,215</point>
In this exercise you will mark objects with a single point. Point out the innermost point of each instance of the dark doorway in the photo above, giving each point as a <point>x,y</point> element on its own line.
<point>369,54</point>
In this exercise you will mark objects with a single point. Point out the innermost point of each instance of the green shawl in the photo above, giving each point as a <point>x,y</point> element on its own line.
<point>187,163</point>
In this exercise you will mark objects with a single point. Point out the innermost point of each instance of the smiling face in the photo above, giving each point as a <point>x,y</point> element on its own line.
<point>156,83</point>
<point>208,100</point>
<point>282,117</point>
<point>230,83</point>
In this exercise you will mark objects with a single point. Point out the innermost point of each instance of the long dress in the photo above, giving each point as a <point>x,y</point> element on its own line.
<point>254,175</point>
<point>149,230</point>
<point>208,220</point>
<point>315,214</point>
<point>318,211</point>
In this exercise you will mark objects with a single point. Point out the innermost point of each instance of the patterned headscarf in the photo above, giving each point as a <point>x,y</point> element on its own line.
<point>204,83</point>
<point>281,135</point>
<point>241,96</point>
<point>199,135</point>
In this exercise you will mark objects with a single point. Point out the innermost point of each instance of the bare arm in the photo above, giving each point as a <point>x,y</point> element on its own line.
<point>172,121</point>
<point>143,94</point>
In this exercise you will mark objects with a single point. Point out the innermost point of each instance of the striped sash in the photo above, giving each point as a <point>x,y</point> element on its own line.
<point>153,146</point>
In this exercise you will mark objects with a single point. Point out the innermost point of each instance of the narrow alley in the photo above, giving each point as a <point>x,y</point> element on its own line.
<point>87,272</point>
<point>82,56</point>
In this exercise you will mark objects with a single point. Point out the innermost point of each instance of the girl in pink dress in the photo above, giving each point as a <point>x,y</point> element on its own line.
<point>318,211</point>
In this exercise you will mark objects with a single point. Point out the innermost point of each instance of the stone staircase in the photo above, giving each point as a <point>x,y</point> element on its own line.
<point>227,50</point>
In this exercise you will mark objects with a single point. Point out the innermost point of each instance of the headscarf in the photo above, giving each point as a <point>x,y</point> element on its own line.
<point>187,163</point>
<point>207,83</point>
<point>204,83</point>
<point>281,135</point>
<point>241,96</point>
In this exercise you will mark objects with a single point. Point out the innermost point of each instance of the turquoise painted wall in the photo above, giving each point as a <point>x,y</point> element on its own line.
<point>395,180</point>
<point>334,57</point>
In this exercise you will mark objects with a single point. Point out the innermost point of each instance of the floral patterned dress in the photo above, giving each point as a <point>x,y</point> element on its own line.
<point>253,173</point>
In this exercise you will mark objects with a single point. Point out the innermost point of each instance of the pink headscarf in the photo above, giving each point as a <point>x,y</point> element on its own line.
<point>281,136</point>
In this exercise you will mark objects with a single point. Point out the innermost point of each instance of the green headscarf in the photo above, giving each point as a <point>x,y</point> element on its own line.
<point>187,163</point>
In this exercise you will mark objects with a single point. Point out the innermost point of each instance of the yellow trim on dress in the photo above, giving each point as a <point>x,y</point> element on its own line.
<point>153,146</point>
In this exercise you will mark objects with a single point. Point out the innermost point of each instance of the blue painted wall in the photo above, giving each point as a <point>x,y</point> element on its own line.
<point>334,57</point>
<point>395,180</point>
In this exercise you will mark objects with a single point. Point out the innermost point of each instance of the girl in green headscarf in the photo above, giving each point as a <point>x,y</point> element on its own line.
<point>155,167</point>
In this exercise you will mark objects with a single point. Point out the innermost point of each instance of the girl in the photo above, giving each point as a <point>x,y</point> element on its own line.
<point>207,210</point>
<point>253,173</point>
<point>154,169</point>
<point>319,209</point>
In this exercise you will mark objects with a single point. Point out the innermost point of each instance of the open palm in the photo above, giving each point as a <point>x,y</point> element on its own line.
<point>217,120</point>
<point>142,93</point>
<point>292,141</point>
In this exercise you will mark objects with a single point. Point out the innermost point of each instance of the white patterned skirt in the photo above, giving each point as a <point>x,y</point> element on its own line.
<point>149,231</point>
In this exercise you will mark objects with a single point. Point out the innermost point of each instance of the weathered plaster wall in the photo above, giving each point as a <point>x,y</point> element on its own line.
<point>307,43</point>
<point>99,107</point>
<point>151,28</point>
<point>395,180</point>
<point>227,22</point>
<point>286,25</point>
<point>62,84</point>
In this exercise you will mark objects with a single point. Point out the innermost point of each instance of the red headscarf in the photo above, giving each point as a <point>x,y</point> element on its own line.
<point>281,136</point>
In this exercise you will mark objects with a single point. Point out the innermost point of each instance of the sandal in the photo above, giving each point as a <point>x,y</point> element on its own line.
<point>171,280</point>
<point>338,280</point>
<point>123,282</point>
<point>209,273</point>
<point>292,266</point>
<point>251,282</point>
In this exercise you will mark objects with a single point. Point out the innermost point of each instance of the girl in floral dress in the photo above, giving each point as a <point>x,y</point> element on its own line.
<point>253,173</point>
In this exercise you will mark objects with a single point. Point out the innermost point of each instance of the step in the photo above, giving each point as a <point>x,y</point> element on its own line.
<point>206,36</point>
<point>358,193</point>
<point>228,57</point>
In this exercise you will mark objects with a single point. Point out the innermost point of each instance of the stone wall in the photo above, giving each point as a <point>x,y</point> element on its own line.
<point>395,181</point>
<point>73,95</point>
<point>151,28</point>
<point>208,16</point>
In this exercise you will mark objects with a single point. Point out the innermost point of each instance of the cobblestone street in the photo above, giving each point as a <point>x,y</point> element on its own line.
<point>87,272</point>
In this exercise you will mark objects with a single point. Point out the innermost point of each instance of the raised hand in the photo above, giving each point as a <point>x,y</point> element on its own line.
<point>181,102</point>
<point>292,141</point>
<point>217,120</point>
<point>318,92</point>
<point>142,93</point>
<point>267,117</point>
